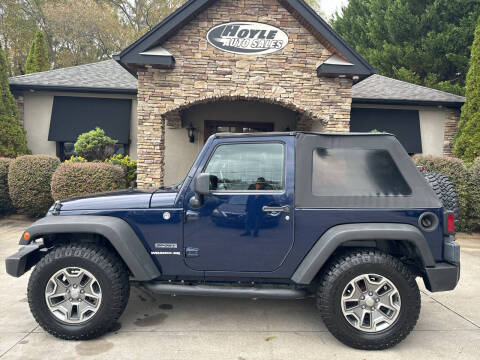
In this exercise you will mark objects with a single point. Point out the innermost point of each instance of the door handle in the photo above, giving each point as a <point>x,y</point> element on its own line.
<point>285,208</point>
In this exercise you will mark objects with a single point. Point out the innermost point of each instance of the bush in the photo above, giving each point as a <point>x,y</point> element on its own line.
<point>460,176</point>
<point>95,145</point>
<point>130,166</point>
<point>29,179</point>
<point>6,206</point>
<point>475,193</point>
<point>13,141</point>
<point>77,179</point>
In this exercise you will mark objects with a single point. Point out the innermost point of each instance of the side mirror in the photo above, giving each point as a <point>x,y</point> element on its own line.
<point>201,185</point>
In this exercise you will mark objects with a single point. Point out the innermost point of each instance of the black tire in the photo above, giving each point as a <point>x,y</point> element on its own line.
<point>344,269</point>
<point>450,198</point>
<point>433,180</point>
<point>445,190</point>
<point>111,274</point>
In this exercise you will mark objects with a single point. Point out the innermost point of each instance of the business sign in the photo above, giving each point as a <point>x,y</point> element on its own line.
<point>247,38</point>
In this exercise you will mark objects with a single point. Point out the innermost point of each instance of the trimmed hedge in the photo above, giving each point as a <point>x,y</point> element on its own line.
<point>29,179</point>
<point>6,206</point>
<point>461,177</point>
<point>77,179</point>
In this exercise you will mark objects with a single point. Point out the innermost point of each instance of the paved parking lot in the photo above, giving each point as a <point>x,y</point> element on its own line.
<point>164,327</point>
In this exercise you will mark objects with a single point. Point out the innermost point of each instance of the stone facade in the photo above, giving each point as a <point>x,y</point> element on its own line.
<point>21,109</point>
<point>203,73</point>
<point>452,117</point>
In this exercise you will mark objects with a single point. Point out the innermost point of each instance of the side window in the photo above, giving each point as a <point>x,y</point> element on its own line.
<point>247,167</point>
<point>356,172</point>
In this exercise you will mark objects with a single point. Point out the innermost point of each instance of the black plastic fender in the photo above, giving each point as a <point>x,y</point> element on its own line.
<point>118,232</point>
<point>337,235</point>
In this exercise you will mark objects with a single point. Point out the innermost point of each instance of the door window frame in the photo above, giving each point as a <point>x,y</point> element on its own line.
<point>243,192</point>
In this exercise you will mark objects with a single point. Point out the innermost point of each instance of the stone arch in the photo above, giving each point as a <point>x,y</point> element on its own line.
<point>307,119</point>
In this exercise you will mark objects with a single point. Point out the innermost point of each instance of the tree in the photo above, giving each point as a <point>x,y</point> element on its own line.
<point>426,41</point>
<point>37,59</point>
<point>12,137</point>
<point>467,141</point>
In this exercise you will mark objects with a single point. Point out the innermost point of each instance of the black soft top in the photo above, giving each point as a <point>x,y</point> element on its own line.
<point>297,133</point>
<point>309,145</point>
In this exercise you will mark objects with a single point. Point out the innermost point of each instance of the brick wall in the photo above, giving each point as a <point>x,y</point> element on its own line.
<point>452,118</point>
<point>203,73</point>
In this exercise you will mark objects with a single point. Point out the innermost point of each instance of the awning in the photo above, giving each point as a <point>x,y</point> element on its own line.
<point>72,116</point>
<point>404,124</point>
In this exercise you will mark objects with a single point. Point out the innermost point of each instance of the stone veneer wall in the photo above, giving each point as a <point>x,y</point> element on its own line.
<point>21,109</point>
<point>452,117</point>
<point>203,73</point>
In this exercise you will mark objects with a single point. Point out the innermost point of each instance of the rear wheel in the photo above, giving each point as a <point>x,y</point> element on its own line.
<point>368,300</point>
<point>78,291</point>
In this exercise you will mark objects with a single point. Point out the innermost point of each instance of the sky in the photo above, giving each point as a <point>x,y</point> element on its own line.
<point>329,7</point>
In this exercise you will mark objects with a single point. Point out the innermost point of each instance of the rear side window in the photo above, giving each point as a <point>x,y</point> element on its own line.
<point>356,172</point>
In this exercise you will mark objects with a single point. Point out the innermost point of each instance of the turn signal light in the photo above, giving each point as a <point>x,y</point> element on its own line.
<point>26,236</point>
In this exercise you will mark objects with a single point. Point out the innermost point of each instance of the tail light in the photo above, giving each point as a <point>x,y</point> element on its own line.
<point>449,222</point>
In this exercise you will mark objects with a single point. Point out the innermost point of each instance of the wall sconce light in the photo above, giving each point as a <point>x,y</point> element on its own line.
<point>191,133</point>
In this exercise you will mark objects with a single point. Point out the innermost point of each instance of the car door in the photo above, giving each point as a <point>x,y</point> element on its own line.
<point>245,223</point>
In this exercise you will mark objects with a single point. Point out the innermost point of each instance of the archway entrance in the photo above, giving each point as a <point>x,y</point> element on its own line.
<point>238,115</point>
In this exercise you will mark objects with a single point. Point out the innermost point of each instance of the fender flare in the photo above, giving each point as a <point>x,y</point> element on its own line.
<point>337,235</point>
<point>117,231</point>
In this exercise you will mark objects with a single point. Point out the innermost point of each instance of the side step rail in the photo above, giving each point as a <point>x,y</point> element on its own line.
<point>226,291</point>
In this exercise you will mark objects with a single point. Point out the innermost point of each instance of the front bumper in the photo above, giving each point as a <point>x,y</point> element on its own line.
<point>23,260</point>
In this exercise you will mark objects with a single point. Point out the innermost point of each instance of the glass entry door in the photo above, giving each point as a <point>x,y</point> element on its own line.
<point>213,127</point>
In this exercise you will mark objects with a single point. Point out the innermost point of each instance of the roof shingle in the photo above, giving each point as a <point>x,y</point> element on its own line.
<point>108,75</point>
<point>378,88</point>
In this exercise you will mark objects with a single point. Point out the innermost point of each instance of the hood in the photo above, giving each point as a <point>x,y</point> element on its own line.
<point>124,199</point>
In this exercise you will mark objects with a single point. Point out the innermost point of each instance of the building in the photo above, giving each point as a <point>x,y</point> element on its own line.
<point>228,65</point>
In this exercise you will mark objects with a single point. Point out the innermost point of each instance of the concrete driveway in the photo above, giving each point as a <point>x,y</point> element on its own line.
<point>164,327</point>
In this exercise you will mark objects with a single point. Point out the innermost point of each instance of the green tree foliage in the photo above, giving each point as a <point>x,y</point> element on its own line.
<point>467,141</point>
<point>95,145</point>
<point>37,59</point>
<point>77,31</point>
<point>426,42</point>
<point>12,137</point>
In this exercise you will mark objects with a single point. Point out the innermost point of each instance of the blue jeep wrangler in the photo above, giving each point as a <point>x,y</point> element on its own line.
<point>346,218</point>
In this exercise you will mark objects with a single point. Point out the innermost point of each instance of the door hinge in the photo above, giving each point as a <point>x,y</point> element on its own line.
<point>192,252</point>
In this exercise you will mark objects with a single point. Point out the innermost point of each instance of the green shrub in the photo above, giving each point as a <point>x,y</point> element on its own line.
<point>95,145</point>
<point>475,193</point>
<point>29,179</point>
<point>129,165</point>
<point>6,206</point>
<point>77,179</point>
<point>13,141</point>
<point>458,173</point>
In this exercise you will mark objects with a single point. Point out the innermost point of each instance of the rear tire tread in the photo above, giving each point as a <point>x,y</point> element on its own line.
<point>345,263</point>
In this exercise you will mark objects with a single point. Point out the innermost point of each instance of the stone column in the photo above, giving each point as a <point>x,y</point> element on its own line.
<point>452,117</point>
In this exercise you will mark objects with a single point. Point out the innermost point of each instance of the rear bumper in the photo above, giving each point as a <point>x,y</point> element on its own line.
<point>23,260</point>
<point>442,277</point>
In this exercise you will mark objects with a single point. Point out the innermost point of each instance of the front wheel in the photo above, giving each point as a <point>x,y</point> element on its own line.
<point>368,300</point>
<point>78,291</point>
